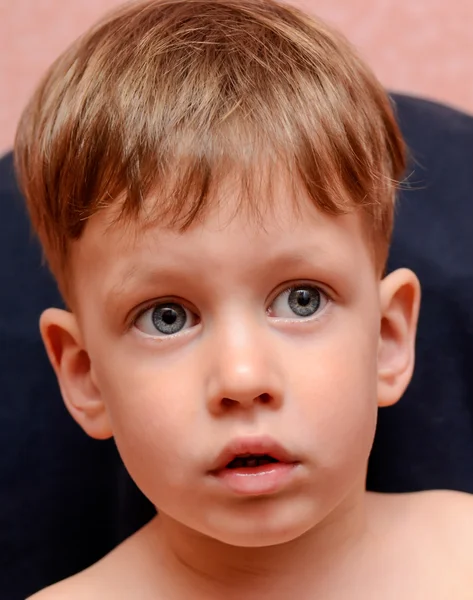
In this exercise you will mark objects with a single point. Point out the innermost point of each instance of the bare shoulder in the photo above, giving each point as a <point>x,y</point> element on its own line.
<point>430,541</point>
<point>77,587</point>
<point>450,511</point>
<point>119,574</point>
<point>453,511</point>
<point>95,583</point>
<point>447,516</point>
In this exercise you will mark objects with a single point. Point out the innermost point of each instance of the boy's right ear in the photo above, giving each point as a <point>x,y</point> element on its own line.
<point>71,363</point>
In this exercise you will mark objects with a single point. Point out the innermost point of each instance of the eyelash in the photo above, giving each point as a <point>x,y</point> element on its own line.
<point>290,287</point>
<point>286,287</point>
<point>163,300</point>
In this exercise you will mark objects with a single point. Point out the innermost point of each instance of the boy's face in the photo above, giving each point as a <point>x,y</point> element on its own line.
<point>236,334</point>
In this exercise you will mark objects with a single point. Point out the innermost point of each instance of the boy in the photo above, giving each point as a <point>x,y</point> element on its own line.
<point>213,184</point>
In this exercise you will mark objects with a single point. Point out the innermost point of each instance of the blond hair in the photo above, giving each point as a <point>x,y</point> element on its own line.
<point>166,97</point>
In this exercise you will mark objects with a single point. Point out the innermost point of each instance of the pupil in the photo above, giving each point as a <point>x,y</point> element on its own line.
<point>169,316</point>
<point>303,297</point>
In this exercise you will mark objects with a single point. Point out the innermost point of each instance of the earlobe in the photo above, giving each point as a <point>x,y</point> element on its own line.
<point>400,300</point>
<point>71,363</point>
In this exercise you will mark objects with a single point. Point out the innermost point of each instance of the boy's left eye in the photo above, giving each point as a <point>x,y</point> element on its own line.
<point>165,319</point>
<point>298,302</point>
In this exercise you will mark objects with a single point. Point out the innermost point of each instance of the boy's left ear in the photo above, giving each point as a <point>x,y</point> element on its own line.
<point>400,301</point>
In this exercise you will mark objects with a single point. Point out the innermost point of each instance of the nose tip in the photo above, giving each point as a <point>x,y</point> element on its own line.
<point>233,389</point>
<point>244,366</point>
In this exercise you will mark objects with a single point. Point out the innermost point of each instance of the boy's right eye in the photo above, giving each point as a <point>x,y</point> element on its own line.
<point>165,319</point>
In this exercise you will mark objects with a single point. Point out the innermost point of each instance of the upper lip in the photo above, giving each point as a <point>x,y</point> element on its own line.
<point>251,445</point>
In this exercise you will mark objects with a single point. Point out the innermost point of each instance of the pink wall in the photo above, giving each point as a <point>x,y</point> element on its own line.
<point>420,46</point>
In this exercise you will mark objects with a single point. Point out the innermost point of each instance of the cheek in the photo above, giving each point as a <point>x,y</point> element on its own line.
<point>153,412</point>
<point>335,396</point>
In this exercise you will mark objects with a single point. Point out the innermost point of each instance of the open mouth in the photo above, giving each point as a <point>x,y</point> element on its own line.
<point>248,461</point>
<point>255,466</point>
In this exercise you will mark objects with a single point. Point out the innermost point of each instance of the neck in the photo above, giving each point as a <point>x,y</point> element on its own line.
<point>328,552</point>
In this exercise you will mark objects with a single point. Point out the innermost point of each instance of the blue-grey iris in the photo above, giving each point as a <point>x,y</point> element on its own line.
<point>304,302</point>
<point>169,318</point>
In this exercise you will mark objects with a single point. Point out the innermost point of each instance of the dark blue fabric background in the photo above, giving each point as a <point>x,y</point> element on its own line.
<point>65,500</point>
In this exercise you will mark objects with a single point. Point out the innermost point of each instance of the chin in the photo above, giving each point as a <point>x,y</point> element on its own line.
<point>261,539</point>
<point>266,526</point>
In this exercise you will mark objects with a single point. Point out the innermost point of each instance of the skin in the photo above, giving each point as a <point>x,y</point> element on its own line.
<point>244,365</point>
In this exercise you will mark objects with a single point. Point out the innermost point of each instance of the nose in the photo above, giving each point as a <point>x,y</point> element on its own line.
<point>245,371</point>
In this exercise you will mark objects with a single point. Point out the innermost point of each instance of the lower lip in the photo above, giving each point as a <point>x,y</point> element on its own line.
<point>257,481</point>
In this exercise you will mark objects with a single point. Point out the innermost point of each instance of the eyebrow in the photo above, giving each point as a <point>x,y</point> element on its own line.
<point>136,274</point>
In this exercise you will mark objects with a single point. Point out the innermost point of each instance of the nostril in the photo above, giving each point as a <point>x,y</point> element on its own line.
<point>228,402</point>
